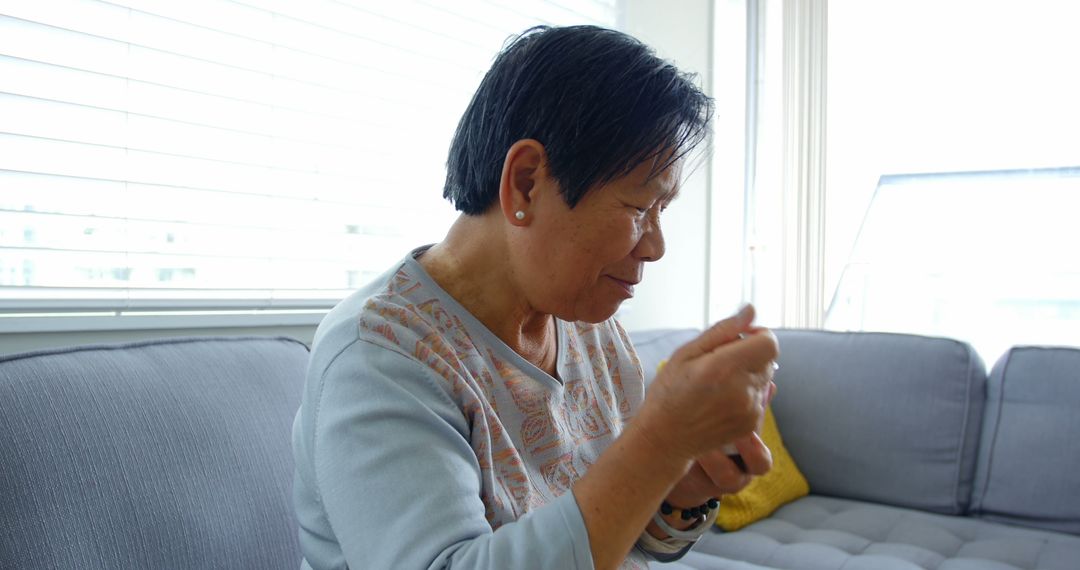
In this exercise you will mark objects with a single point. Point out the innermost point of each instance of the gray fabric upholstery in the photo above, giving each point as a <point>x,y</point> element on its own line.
<point>164,454</point>
<point>656,345</point>
<point>887,418</point>
<point>828,533</point>
<point>701,561</point>
<point>1029,472</point>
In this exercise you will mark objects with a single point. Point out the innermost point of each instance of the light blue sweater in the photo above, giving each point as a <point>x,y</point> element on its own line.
<point>423,441</point>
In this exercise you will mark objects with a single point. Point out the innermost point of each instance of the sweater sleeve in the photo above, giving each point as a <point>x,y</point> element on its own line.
<point>400,483</point>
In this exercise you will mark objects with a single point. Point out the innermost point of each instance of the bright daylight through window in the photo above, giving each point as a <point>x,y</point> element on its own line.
<point>954,170</point>
<point>159,155</point>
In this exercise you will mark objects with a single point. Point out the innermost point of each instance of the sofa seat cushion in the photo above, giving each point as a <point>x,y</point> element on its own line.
<point>701,561</point>
<point>827,533</point>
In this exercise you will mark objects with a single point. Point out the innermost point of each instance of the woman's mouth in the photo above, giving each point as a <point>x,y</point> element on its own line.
<point>626,286</point>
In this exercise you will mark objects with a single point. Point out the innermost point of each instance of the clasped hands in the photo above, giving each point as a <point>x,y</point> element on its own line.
<point>713,391</point>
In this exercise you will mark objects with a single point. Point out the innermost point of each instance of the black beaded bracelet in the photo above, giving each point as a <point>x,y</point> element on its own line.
<point>692,512</point>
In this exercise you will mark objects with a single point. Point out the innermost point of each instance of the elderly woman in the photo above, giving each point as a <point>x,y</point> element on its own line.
<point>477,406</point>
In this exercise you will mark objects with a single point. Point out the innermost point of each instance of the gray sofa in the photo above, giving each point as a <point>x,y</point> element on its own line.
<point>916,459</point>
<point>163,454</point>
<point>175,454</point>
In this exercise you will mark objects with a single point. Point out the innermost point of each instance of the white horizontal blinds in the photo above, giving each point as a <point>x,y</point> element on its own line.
<point>223,154</point>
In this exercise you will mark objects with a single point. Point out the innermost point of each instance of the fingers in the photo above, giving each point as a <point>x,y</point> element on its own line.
<point>720,382</point>
<point>726,475</point>
<point>723,472</point>
<point>754,353</point>
<point>717,335</point>
<point>755,454</point>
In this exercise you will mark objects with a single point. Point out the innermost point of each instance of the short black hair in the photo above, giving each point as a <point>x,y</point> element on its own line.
<point>600,101</point>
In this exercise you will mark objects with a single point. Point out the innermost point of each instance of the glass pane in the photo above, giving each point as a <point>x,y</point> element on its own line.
<point>994,275</point>
<point>953,137</point>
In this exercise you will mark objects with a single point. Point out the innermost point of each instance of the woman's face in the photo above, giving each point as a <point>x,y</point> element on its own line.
<point>582,263</point>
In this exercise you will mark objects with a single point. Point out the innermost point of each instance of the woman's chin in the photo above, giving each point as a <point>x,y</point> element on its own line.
<point>599,313</point>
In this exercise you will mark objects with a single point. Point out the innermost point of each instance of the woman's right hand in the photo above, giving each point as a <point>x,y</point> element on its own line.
<point>712,391</point>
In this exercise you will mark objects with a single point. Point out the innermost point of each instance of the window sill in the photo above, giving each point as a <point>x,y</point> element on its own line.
<point>148,320</point>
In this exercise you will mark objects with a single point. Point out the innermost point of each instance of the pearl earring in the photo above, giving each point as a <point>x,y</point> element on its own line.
<point>519,215</point>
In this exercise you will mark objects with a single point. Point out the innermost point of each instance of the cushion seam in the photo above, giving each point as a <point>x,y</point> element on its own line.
<point>992,443</point>
<point>961,502</point>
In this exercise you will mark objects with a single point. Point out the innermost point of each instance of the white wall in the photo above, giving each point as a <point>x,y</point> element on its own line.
<point>674,290</point>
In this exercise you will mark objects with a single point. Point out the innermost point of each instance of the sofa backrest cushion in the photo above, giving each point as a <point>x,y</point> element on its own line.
<point>889,418</point>
<point>1029,463</point>
<point>162,454</point>
<point>656,345</point>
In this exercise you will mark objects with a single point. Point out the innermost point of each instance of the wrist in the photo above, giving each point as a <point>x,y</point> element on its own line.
<point>681,519</point>
<point>673,521</point>
<point>673,535</point>
<point>689,513</point>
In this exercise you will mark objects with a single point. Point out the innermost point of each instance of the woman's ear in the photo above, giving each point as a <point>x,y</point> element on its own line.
<point>524,170</point>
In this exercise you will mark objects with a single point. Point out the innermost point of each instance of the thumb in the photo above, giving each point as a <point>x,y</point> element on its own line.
<point>717,335</point>
<point>757,456</point>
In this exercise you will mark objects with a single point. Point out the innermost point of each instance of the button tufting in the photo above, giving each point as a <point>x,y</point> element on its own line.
<point>827,533</point>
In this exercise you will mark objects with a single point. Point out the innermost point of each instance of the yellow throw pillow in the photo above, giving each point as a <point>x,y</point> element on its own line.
<point>781,485</point>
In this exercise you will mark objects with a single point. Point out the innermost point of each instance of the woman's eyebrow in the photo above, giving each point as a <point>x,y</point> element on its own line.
<point>654,184</point>
<point>665,196</point>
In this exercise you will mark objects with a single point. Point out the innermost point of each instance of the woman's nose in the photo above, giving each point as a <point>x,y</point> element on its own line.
<point>651,246</point>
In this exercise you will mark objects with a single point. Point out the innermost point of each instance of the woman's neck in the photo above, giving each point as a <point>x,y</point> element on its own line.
<point>471,264</point>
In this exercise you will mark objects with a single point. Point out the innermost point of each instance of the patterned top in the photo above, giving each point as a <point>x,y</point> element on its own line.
<point>417,420</point>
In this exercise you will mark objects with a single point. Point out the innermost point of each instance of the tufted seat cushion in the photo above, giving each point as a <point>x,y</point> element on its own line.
<point>827,533</point>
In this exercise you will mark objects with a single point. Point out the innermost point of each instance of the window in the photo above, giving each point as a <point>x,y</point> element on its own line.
<point>973,255</point>
<point>953,144</point>
<point>215,155</point>
<point>943,137</point>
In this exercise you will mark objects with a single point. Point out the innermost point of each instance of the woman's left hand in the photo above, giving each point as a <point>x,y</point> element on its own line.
<point>715,474</point>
